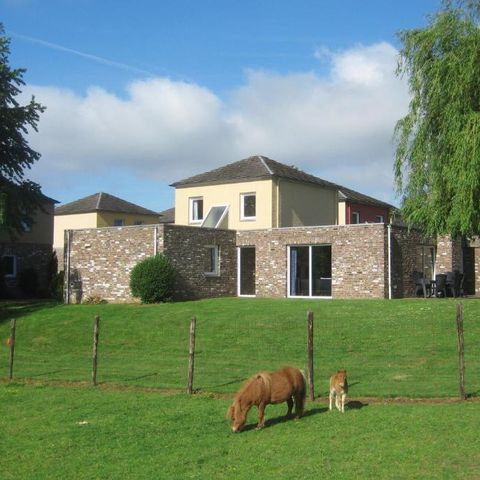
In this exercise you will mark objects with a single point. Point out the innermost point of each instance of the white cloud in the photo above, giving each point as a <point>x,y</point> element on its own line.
<point>338,126</point>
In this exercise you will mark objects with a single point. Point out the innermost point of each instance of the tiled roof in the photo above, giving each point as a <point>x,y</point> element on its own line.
<point>356,197</point>
<point>258,167</point>
<point>250,168</point>
<point>102,202</point>
<point>167,216</point>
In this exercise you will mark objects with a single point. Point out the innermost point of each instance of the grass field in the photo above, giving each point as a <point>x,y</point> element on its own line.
<point>54,425</point>
<point>87,433</point>
<point>397,348</point>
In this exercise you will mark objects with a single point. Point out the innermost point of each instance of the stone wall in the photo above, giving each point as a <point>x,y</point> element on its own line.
<point>186,248</point>
<point>449,255</point>
<point>404,244</point>
<point>359,266</point>
<point>99,260</point>
<point>29,255</point>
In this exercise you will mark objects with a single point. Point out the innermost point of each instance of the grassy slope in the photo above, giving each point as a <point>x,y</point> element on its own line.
<point>60,433</point>
<point>396,348</point>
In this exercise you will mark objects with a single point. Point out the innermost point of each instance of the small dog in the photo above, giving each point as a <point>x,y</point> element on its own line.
<point>339,388</point>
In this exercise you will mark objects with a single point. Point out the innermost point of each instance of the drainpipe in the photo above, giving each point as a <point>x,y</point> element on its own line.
<point>155,241</point>
<point>389,241</point>
<point>66,283</point>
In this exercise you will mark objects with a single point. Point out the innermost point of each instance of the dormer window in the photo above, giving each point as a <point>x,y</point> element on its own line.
<point>196,209</point>
<point>248,206</point>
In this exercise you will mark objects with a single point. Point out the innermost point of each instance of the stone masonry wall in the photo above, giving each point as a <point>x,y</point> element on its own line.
<point>359,266</point>
<point>404,251</point>
<point>186,248</point>
<point>449,255</point>
<point>29,255</point>
<point>99,260</point>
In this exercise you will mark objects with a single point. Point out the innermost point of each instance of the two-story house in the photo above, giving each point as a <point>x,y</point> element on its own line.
<point>30,249</point>
<point>259,192</point>
<point>96,211</point>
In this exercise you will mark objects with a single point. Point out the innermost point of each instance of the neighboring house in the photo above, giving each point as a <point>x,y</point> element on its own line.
<point>167,216</point>
<point>259,192</point>
<point>95,211</point>
<point>267,230</point>
<point>32,248</point>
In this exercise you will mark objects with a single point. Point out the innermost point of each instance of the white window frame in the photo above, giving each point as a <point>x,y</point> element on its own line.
<point>191,210</point>
<point>242,206</point>
<point>239,267</point>
<point>14,274</point>
<point>310,283</point>
<point>216,271</point>
<point>357,215</point>
<point>379,219</point>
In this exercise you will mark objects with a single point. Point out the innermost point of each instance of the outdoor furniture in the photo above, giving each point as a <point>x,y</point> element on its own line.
<point>422,285</point>
<point>441,285</point>
<point>455,283</point>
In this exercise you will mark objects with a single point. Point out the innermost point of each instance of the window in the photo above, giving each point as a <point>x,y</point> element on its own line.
<point>379,219</point>
<point>9,265</point>
<point>248,206</point>
<point>138,222</point>
<point>425,261</point>
<point>215,216</point>
<point>119,222</point>
<point>212,261</point>
<point>196,210</point>
<point>355,217</point>
<point>310,271</point>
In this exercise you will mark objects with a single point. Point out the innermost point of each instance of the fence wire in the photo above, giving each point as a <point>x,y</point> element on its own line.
<point>398,350</point>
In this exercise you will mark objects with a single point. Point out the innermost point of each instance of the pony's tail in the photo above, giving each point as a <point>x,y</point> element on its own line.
<point>301,394</point>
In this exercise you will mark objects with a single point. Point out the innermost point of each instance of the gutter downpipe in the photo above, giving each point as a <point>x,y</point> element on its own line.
<point>155,240</point>
<point>389,242</point>
<point>67,270</point>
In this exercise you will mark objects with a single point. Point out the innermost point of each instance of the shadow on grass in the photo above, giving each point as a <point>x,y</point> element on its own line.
<point>10,309</point>
<point>355,405</point>
<point>283,419</point>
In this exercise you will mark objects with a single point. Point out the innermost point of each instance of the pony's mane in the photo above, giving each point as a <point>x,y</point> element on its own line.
<point>264,376</point>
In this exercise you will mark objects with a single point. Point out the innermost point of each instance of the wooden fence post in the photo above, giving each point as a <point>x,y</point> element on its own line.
<point>96,326</point>
<point>310,354</point>
<point>461,352</point>
<point>191,355</point>
<point>11,341</point>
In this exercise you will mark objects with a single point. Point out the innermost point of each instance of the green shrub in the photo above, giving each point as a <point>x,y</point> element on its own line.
<point>152,279</point>
<point>56,286</point>
<point>28,282</point>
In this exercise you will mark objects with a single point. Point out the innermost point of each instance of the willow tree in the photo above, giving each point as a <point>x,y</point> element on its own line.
<point>19,197</point>
<point>437,161</point>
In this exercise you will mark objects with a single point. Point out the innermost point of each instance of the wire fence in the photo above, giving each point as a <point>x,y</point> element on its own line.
<point>388,355</point>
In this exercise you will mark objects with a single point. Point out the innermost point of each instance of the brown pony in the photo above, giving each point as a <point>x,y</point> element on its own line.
<point>285,385</point>
<point>338,389</point>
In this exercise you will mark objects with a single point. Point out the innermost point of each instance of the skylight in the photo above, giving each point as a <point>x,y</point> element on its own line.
<point>215,216</point>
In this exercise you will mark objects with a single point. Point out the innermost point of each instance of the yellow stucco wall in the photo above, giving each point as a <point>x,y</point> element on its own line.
<point>106,219</point>
<point>94,220</point>
<point>41,231</point>
<point>342,213</point>
<point>228,194</point>
<point>303,204</point>
<point>71,222</point>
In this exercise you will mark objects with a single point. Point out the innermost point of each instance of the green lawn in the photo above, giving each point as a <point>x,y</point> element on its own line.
<point>390,348</point>
<point>86,433</point>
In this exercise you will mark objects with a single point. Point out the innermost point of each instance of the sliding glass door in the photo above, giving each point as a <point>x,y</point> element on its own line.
<point>310,271</point>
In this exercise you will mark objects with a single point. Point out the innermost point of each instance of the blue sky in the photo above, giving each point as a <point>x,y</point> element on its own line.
<point>141,94</point>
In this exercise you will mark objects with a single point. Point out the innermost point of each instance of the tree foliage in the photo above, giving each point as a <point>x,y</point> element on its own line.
<point>437,162</point>
<point>19,197</point>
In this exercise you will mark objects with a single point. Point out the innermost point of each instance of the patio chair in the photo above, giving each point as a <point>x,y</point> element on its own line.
<point>454,279</point>
<point>441,285</point>
<point>421,285</point>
